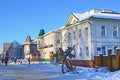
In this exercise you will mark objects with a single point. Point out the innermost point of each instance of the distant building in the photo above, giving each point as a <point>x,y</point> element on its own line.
<point>17,50</point>
<point>5,48</point>
<point>13,49</point>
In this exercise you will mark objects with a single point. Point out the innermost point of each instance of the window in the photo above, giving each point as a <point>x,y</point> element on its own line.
<point>102,30</point>
<point>80,33</point>
<point>58,40</point>
<point>80,51</point>
<point>119,31</point>
<point>87,51</point>
<point>86,31</point>
<point>38,44</point>
<point>73,34</point>
<point>103,50</point>
<point>115,31</point>
<point>69,36</point>
<point>115,47</point>
<point>74,21</point>
<point>27,48</point>
<point>65,37</point>
<point>98,48</point>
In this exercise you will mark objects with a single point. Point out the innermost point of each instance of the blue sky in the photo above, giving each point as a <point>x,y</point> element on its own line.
<point>19,18</point>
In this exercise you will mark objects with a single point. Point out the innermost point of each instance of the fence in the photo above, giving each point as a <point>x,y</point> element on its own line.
<point>110,61</point>
<point>34,59</point>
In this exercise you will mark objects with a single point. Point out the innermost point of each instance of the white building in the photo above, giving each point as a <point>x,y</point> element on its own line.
<point>92,32</point>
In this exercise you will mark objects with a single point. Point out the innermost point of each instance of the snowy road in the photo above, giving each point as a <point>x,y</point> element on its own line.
<point>16,72</point>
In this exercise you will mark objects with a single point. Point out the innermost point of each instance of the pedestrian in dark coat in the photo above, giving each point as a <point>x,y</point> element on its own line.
<point>15,60</point>
<point>6,61</point>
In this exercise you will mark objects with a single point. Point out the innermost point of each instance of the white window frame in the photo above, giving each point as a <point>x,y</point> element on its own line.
<point>104,51</point>
<point>65,37</point>
<point>80,51</point>
<point>69,36</point>
<point>103,32</point>
<point>80,33</point>
<point>38,44</point>
<point>86,31</point>
<point>115,47</point>
<point>87,51</point>
<point>119,31</point>
<point>115,31</point>
<point>74,36</point>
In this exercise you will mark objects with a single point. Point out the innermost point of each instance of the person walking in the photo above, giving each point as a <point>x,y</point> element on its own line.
<point>15,60</point>
<point>6,61</point>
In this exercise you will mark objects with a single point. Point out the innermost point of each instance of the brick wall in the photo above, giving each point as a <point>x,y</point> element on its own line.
<point>84,63</point>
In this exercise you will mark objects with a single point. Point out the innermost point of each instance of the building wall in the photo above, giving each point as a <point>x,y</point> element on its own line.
<point>48,43</point>
<point>64,38</point>
<point>109,41</point>
<point>76,35</point>
<point>30,49</point>
<point>94,41</point>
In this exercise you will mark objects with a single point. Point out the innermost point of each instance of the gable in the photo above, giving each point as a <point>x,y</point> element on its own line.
<point>71,20</point>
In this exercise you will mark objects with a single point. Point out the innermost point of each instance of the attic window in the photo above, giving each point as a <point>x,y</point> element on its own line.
<point>74,21</point>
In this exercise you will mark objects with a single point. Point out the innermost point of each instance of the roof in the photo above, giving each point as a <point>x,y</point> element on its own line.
<point>28,39</point>
<point>106,14</point>
<point>97,15</point>
<point>42,32</point>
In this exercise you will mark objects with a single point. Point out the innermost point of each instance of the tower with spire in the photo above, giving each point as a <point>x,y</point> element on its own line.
<point>30,48</point>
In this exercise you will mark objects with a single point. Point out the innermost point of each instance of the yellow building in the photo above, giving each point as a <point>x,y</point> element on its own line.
<point>48,44</point>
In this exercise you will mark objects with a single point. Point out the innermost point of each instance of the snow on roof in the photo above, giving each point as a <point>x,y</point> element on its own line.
<point>30,43</point>
<point>34,41</point>
<point>105,15</point>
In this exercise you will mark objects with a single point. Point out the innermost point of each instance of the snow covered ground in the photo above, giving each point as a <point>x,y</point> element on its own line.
<point>84,73</point>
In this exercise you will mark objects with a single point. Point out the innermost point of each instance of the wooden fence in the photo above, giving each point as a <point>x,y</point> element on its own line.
<point>110,61</point>
<point>34,59</point>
